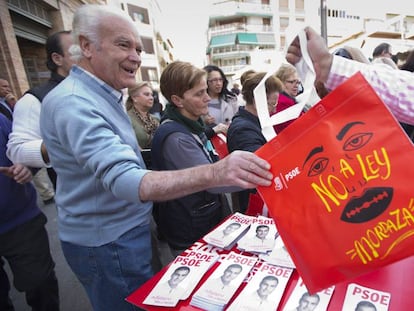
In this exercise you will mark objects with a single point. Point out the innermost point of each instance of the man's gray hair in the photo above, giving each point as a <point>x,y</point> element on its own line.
<point>87,21</point>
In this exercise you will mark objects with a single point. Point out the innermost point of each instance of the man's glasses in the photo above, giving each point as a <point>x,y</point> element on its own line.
<point>216,80</point>
<point>293,81</point>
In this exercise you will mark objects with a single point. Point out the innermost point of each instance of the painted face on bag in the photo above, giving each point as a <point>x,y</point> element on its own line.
<point>342,183</point>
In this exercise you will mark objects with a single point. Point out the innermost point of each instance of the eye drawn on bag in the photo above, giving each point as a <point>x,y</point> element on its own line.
<point>345,181</point>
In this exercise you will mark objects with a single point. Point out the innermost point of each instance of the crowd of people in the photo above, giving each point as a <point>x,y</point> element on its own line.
<point>109,194</point>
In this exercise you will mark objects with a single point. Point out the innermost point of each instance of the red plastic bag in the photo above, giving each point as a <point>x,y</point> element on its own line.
<point>219,142</point>
<point>256,206</point>
<point>342,196</point>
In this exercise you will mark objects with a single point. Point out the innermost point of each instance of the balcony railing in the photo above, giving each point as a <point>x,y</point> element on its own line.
<point>240,8</point>
<point>239,27</point>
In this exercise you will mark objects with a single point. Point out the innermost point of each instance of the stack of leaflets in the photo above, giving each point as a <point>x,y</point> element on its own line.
<point>179,281</point>
<point>364,298</point>
<point>264,290</point>
<point>227,234</point>
<point>261,236</point>
<point>301,299</point>
<point>215,293</point>
<point>279,255</point>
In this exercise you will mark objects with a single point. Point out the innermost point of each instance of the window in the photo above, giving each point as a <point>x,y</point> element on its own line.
<point>149,74</point>
<point>299,4</point>
<point>283,4</point>
<point>148,45</point>
<point>284,22</point>
<point>138,13</point>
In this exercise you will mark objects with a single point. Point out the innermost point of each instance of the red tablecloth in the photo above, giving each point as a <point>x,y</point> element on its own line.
<point>395,279</point>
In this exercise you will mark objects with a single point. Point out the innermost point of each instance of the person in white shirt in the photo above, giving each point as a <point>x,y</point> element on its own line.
<point>25,143</point>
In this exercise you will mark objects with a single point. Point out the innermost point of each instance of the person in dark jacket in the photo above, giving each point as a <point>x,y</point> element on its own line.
<point>23,238</point>
<point>245,132</point>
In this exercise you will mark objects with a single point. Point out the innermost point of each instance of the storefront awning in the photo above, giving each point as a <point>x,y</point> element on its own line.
<point>222,40</point>
<point>246,38</point>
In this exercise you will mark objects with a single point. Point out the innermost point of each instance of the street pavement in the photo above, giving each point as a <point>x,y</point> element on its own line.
<point>72,294</point>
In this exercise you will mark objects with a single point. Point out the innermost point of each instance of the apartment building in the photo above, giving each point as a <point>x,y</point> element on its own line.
<point>24,28</point>
<point>26,24</point>
<point>241,32</point>
<point>245,34</point>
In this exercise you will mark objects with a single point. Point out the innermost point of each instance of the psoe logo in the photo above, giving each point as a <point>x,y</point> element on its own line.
<point>292,174</point>
<point>278,183</point>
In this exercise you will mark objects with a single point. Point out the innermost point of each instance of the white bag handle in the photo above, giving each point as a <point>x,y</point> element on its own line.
<point>307,74</point>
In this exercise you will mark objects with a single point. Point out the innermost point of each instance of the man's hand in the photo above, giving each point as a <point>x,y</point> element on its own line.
<point>20,173</point>
<point>318,52</point>
<point>242,169</point>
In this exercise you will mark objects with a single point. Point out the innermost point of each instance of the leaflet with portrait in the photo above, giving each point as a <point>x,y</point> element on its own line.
<point>300,298</point>
<point>217,290</point>
<point>227,233</point>
<point>264,290</point>
<point>361,298</point>
<point>180,279</point>
<point>260,238</point>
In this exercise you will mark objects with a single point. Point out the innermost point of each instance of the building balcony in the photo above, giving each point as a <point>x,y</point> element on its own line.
<point>238,27</point>
<point>232,69</point>
<point>232,53</point>
<point>237,8</point>
<point>242,39</point>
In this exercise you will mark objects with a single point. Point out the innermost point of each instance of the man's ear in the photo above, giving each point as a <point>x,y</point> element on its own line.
<point>177,101</point>
<point>85,46</point>
<point>57,59</point>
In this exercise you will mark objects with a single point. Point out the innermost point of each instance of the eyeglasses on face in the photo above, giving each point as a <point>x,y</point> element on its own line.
<point>146,94</point>
<point>215,80</point>
<point>293,81</point>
